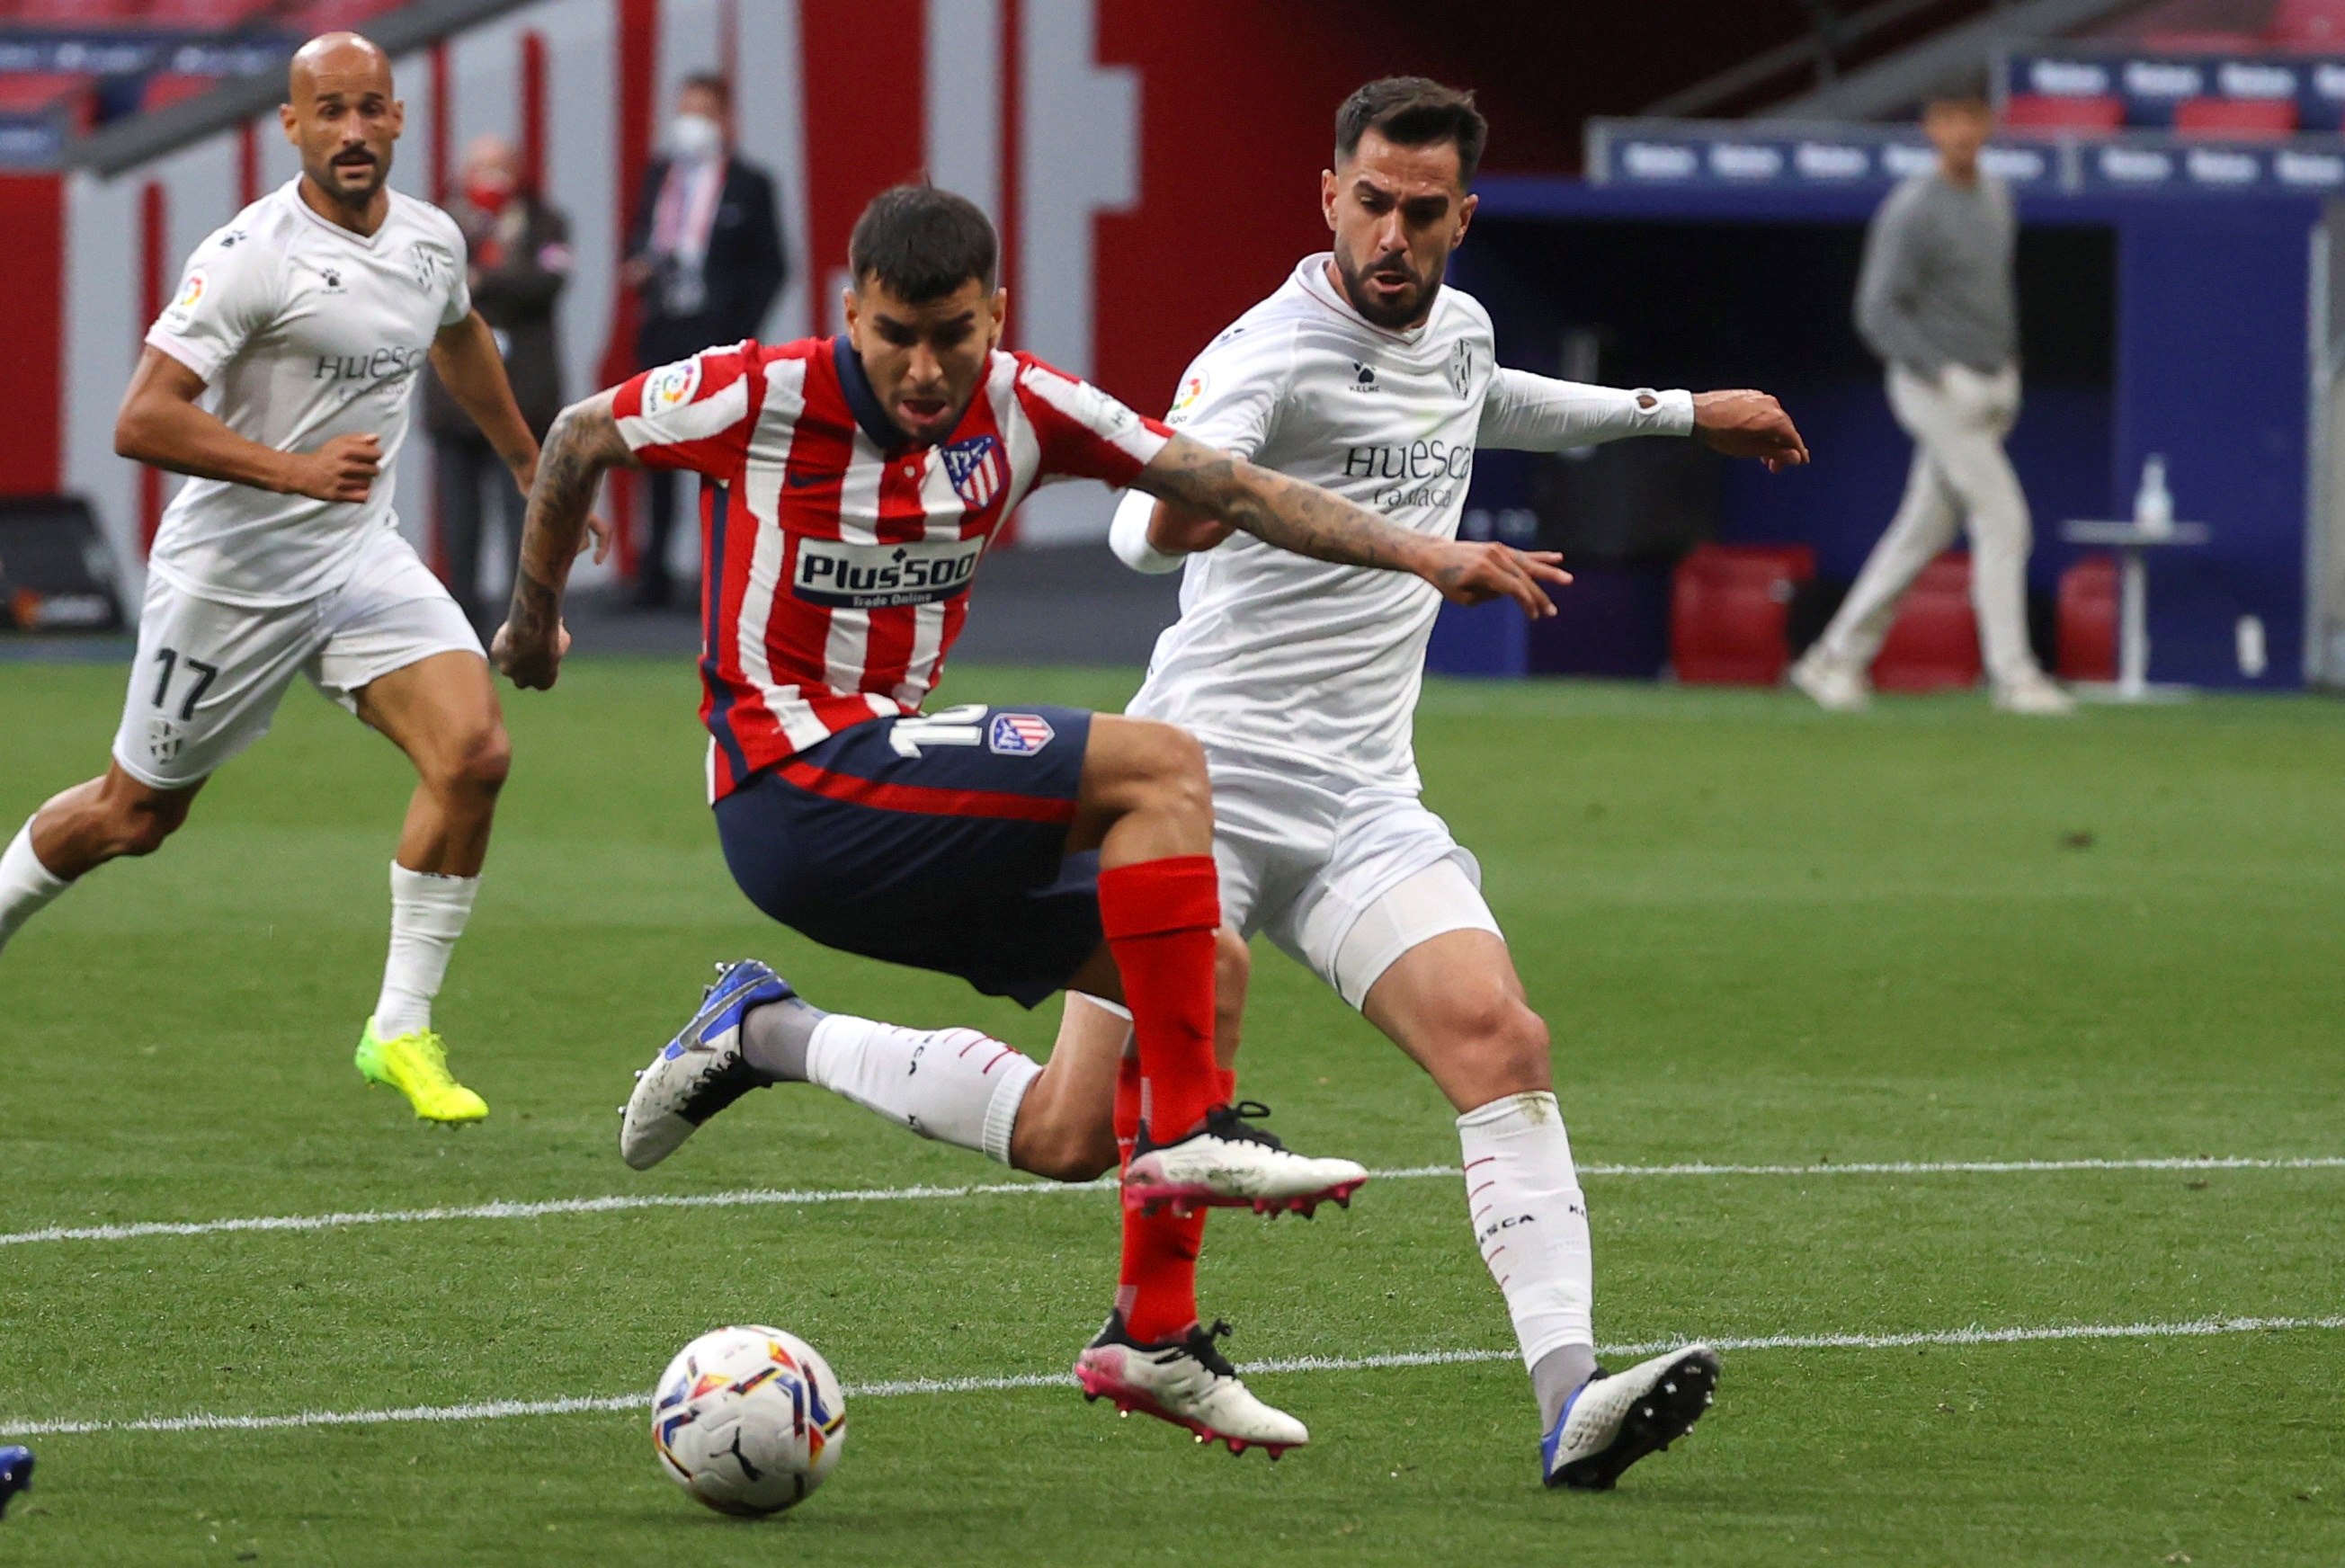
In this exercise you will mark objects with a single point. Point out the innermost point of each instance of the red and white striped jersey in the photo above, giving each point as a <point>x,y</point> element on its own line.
<point>839,557</point>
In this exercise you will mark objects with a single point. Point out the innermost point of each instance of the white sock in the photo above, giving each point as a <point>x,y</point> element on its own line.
<point>1530,1221</point>
<point>26,887</point>
<point>427,912</point>
<point>956,1086</point>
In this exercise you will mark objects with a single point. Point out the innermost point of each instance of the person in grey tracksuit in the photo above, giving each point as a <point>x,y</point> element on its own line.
<point>1936,300</point>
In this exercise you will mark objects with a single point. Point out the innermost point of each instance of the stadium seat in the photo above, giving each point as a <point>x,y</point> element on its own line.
<point>165,88</point>
<point>155,16</point>
<point>2199,41</point>
<point>2235,117</point>
<point>1933,643</point>
<point>2045,112</point>
<point>39,92</point>
<point>313,16</point>
<point>2088,640</point>
<point>2307,25</point>
<point>1728,611</point>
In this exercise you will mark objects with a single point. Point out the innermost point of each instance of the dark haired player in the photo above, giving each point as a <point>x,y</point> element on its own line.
<point>856,481</point>
<point>1365,374</point>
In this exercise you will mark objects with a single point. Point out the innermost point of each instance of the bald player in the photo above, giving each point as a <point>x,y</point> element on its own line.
<point>279,380</point>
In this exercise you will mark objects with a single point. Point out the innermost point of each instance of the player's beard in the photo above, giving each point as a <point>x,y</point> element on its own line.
<point>356,197</point>
<point>1409,311</point>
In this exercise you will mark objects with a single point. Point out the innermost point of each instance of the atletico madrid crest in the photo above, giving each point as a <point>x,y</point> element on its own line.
<point>977,469</point>
<point>1019,734</point>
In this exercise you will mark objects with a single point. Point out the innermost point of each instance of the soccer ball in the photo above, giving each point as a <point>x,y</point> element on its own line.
<point>749,1420</point>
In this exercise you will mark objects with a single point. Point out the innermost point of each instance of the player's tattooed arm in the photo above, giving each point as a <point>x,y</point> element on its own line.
<point>582,444</point>
<point>1312,521</point>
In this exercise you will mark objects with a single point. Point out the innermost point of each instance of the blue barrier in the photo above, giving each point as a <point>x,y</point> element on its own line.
<point>2205,361</point>
<point>1744,154</point>
<point>2151,82</point>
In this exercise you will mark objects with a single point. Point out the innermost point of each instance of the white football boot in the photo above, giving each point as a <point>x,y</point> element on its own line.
<point>1227,1164</point>
<point>701,1071</point>
<point>1616,1419</point>
<point>1185,1382</point>
<point>2036,697</point>
<point>1836,688</point>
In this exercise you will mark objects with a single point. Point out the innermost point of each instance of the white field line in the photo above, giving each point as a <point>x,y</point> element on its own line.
<point>759,1197</point>
<point>501,1409</point>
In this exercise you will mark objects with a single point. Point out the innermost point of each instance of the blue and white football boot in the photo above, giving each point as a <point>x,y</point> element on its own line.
<point>1616,1419</point>
<point>702,1070</point>
<point>15,1473</point>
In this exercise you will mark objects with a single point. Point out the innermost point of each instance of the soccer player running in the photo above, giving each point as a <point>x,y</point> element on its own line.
<point>1365,374</point>
<point>279,382</point>
<point>856,481</point>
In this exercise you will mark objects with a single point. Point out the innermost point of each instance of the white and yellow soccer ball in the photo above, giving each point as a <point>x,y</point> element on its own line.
<point>749,1420</point>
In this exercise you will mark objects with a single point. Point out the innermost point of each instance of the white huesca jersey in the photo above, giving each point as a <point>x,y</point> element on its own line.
<point>302,330</point>
<point>1284,655</point>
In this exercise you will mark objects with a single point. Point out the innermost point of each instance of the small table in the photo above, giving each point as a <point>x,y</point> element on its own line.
<point>2132,543</point>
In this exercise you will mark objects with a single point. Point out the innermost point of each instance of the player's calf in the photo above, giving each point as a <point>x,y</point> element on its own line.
<point>109,816</point>
<point>753,1030</point>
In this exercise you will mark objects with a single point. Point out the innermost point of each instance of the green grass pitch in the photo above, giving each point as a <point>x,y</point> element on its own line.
<point>1763,937</point>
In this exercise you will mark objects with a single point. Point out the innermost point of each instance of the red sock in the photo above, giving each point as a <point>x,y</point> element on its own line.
<point>1160,916</point>
<point>1225,1086</point>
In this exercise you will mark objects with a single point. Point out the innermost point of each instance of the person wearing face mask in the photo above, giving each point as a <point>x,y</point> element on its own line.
<point>519,251</point>
<point>706,258</point>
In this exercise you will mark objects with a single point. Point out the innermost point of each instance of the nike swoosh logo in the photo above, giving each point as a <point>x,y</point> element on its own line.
<point>798,480</point>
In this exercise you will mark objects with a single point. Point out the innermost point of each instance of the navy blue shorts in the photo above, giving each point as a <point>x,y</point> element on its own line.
<point>938,840</point>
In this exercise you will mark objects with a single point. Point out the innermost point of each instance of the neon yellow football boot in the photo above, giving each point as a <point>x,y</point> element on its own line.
<point>416,1065</point>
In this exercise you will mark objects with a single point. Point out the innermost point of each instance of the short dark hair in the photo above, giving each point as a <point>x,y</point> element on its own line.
<point>1964,88</point>
<point>708,81</point>
<point>1414,112</point>
<point>922,243</point>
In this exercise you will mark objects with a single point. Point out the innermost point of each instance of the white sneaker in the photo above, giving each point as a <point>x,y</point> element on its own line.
<point>701,1071</point>
<point>1185,1382</point>
<point>2037,697</point>
<point>1836,688</point>
<point>1227,1164</point>
<point>1616,1419</point>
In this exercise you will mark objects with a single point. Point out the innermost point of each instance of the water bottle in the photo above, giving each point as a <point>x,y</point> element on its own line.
<point>2153,505</point>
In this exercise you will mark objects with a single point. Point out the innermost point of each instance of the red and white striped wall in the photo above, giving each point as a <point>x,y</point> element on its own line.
<point>1153,170</point>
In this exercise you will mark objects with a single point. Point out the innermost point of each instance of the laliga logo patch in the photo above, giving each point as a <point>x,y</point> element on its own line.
<point>1019,734</point>
<point>164,742</point>
<point>671,386</point>
<point>1192,389</point>
<point>191,292</point>
<point>978,470</point>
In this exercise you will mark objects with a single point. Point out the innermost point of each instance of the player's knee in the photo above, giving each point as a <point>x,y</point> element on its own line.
<point>1177,771</point>
<point>1232,963</point>
<point>142,829</point>
<point>479,765</point>
<point>1506,1044</point>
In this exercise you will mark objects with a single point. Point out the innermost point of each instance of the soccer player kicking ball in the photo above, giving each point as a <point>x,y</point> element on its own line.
<point>279,382</point>
<point>855,483</point>
<point>1364,374</point>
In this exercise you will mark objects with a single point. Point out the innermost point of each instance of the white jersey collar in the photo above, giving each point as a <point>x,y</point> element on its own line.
<point>1311,276</point>
<point>291,192</point>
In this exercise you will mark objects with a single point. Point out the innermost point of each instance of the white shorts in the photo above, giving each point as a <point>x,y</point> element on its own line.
<point>1343,876</point>
<point>208,676</point>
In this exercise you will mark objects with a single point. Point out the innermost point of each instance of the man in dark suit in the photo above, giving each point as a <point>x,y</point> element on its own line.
<point>705,255</point>
<point>520,258</point>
